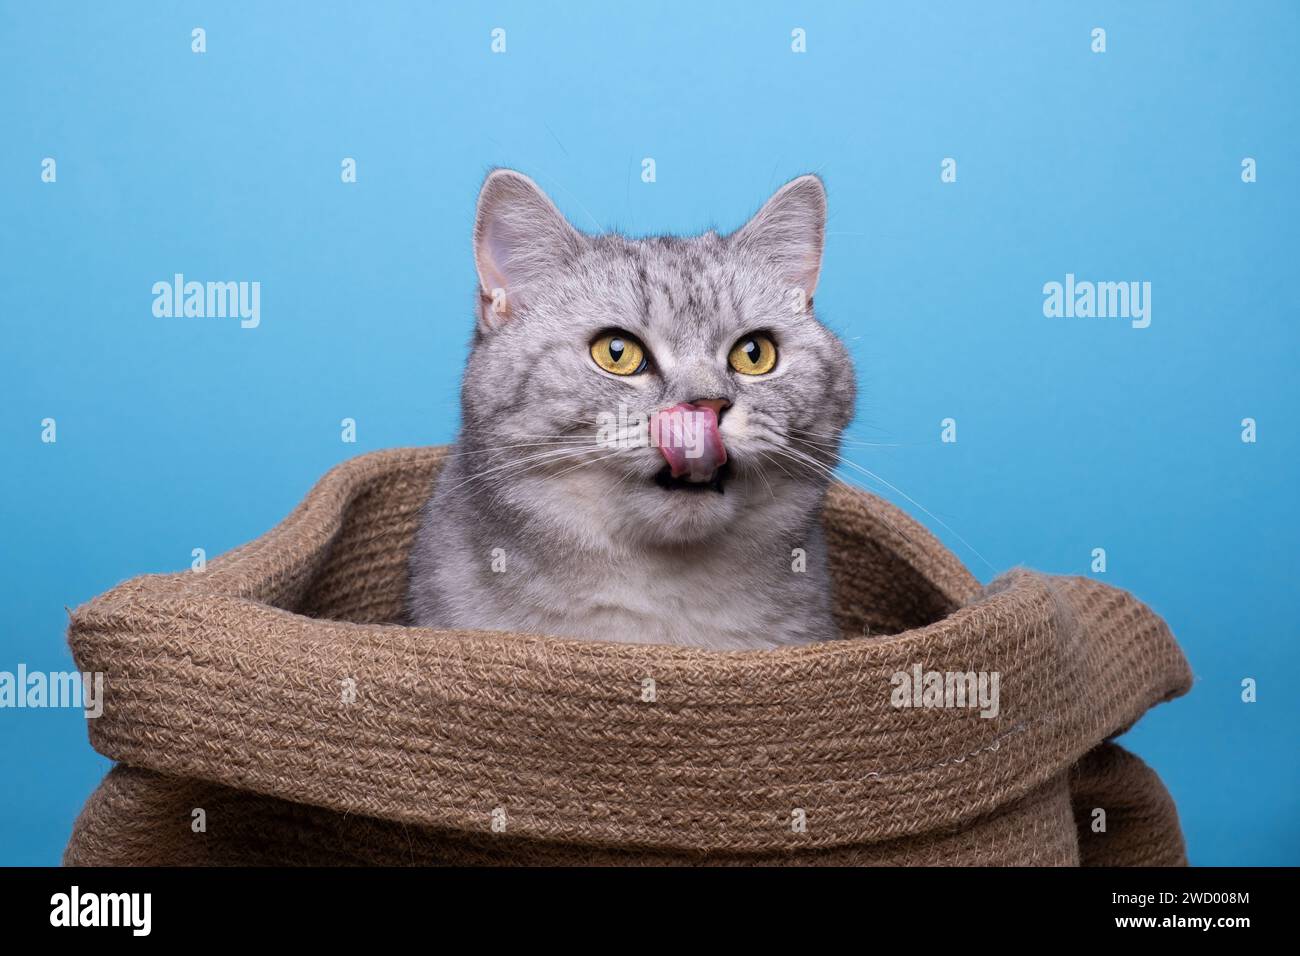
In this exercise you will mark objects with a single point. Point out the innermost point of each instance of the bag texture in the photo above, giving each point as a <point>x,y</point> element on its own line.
<point>276,692</point>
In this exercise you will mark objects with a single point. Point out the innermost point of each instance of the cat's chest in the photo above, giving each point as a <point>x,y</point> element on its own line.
<point>704,600</point>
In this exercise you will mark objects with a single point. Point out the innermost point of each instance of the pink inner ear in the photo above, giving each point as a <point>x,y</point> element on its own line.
<point>493,259</point>
<point>519,239</point>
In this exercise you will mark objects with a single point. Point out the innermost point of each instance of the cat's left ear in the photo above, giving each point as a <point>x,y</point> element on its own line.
<point>789,231</point>
<point>519,238</point>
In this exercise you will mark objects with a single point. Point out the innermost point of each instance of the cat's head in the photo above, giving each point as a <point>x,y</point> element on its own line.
<point>651,391</point>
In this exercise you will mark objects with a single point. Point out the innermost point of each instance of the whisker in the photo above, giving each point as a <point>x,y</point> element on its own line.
<point>830,436</point>
<point>797,455</point>
<point>583,463</point>
<point>552,454</point>
<point>498,448</point>
<point>899,491</point>
<point>770,490</point>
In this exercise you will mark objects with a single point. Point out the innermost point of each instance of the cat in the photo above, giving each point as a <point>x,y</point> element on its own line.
<point>648,430</point>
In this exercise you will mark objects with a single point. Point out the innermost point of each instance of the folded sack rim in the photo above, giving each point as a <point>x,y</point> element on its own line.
<point>704,767</point>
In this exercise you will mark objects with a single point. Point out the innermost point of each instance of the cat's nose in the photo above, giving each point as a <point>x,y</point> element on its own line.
<point>719,405</point>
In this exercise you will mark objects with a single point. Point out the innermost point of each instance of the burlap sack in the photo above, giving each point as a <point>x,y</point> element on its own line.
<point>272,692</point>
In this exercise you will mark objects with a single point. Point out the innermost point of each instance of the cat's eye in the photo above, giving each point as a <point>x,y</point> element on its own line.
<point>619,353</point>
<point>753,355</point>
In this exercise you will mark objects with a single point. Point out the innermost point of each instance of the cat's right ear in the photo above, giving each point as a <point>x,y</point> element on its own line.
<point>519,237</point>
<point>790,232</point>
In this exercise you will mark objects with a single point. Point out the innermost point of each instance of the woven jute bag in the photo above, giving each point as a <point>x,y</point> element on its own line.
<point>277,693</point>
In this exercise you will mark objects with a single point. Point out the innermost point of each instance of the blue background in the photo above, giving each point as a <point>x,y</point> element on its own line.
<point>1072,433</point>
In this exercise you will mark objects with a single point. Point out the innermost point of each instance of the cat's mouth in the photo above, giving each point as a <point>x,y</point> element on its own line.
<point>664,479</point>
<point>687,436</point>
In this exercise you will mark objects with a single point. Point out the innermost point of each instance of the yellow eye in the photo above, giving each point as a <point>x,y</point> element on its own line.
<point>619,353</point>
<point>753,355</point>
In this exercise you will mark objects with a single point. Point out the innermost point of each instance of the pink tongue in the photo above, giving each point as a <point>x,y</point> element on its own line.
<point>689,441</point>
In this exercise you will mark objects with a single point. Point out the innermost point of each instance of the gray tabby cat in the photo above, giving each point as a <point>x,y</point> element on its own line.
<point>648,430</point>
